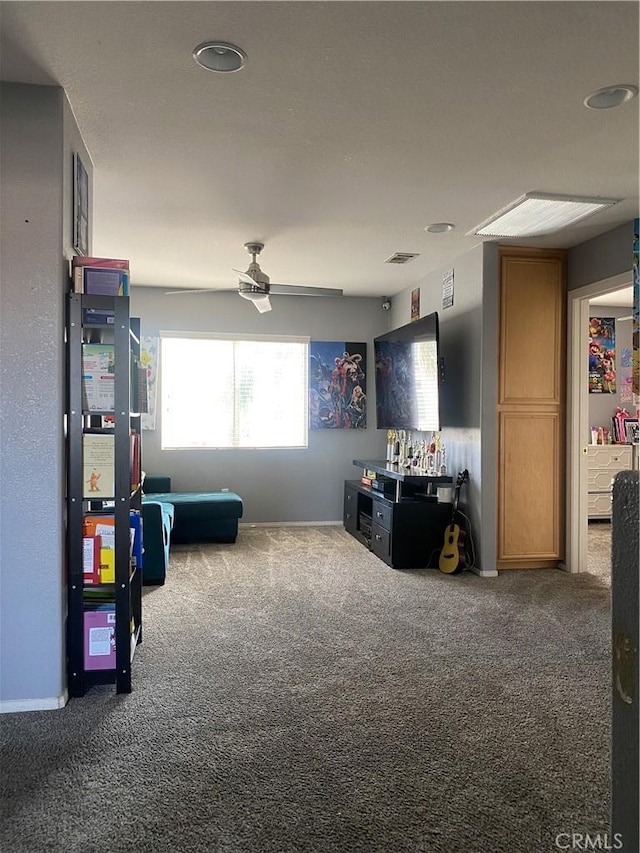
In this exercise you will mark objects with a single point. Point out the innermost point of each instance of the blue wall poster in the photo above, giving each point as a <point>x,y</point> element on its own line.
<point>337,385</point>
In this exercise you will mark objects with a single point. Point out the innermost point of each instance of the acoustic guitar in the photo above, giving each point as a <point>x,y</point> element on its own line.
<point>453,556</point>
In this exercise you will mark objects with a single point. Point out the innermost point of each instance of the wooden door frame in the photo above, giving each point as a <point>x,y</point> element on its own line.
<point>578,415</point>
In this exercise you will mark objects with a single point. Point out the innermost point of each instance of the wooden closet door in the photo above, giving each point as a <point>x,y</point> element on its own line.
<point>531,408</point>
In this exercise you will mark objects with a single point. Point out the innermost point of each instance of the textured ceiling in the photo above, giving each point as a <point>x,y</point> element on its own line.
<point>353,125</point>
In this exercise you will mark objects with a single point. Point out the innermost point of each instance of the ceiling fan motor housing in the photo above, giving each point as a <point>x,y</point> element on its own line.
<point>257,275</point>
<point>261,279</point>
<point>251,290</point>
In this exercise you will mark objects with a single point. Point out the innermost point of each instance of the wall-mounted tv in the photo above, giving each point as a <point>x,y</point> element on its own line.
<point>407,376</point>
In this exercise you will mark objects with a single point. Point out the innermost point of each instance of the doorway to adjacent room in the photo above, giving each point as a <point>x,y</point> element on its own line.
<point>588,544</point>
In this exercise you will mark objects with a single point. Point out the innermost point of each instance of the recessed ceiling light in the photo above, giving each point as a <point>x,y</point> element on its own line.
<point>439,227</point>
<point>219,56</point>
<point>535,214</point>
<point>610,97</point>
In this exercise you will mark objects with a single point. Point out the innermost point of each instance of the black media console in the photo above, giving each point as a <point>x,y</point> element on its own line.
<point>404,524</point>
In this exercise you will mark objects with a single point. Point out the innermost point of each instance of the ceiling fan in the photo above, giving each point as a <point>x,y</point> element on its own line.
<point>256,286</point>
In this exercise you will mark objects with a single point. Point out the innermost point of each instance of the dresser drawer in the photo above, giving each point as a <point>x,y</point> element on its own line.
<point>381,514</point>
<point>599,505</point>
<point>614,457</point>
<point>600,479</point>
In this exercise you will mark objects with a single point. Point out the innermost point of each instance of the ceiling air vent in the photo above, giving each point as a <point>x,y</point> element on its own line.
<point>401,258</point>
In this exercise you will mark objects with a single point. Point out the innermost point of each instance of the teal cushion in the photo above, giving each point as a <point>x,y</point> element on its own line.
<point>204,504</point>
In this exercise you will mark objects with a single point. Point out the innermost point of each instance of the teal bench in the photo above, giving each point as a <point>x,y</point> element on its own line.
<point>198,516</point>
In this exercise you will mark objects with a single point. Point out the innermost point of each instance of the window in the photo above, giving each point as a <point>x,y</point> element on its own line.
<point>221,391</point>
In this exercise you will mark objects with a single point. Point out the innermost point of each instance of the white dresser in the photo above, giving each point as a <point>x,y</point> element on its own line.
<point>605,461</point>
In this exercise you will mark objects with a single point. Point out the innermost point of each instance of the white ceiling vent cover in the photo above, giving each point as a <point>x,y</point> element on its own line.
<point>536,214</point>
<point>401,258</point>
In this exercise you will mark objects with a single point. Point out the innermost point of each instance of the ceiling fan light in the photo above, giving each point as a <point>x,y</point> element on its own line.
<point>263,305</point>
<point>260,300</point>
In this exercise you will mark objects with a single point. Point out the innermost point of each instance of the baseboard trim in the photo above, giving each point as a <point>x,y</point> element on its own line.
<point>290,524</point>
<point>48,703</point>
<point>484,573</point>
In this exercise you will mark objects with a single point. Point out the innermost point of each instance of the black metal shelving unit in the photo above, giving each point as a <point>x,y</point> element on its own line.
<point>126,592</point>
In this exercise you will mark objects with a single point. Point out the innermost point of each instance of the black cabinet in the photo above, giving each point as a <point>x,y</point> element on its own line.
<point>405,533</point>
<point>350,512</point>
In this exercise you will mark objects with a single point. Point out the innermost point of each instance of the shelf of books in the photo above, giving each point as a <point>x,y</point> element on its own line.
<point>104,527</point>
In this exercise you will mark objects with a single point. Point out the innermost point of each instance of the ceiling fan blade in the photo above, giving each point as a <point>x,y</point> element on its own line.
<point>246,278</point>
<point>263,305</point>
<point>199,290</point>
<point>301,290</point>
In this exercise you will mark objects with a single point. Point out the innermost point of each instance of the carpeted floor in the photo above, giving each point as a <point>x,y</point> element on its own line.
<point>295,694</point>
<point>599,550</point>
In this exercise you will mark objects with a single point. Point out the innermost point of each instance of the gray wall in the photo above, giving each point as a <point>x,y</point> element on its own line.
<point>489,405</point>
<point>603,257</point>
<point>38,137</point>
<point>602,407</point>
<point>469,349</point>
<point>276,485</point>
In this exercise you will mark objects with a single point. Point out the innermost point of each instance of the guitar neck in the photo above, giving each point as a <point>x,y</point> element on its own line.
<point>462,476</point>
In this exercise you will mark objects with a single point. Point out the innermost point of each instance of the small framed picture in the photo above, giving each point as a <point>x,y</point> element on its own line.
<point>80,207</point>
<point>415,304</point>
<point>632,430</point>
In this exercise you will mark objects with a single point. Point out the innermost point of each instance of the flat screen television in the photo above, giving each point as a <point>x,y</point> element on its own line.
<point>407,376</point>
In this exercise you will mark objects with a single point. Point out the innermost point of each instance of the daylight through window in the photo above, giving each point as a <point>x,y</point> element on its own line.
<point>221,391</point>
